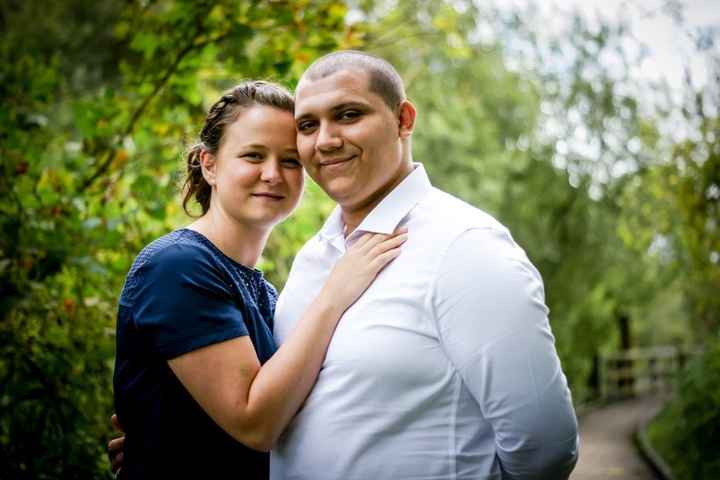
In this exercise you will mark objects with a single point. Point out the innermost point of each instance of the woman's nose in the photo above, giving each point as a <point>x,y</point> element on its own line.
<point>271,172</point>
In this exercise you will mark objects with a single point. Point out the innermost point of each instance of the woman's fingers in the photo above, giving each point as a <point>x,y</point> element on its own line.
<point>378,238</point>
<point>371,242</point>
<point>386,257</point>
<point>360,242</point>
<point>357,269</point>
<point>388,244</point>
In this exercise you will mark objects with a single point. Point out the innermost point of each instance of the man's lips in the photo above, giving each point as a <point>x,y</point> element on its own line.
<point>273,196</point>
<point>334,161</point>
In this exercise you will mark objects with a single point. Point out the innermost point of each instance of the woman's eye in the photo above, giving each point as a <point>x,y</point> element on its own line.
<point>252,156</point>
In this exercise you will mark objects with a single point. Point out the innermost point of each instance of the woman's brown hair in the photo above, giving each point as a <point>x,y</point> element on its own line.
<point>222,113</point>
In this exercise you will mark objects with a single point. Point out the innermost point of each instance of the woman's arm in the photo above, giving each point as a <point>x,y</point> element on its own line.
<point>254,403</point>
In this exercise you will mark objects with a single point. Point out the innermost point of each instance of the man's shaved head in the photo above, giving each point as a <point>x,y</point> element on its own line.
<point>384,79</point>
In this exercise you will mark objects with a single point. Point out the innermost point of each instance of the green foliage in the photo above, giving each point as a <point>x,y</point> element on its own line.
<point>56,381</point>
<point>687,432</point>
<point>99,99</point>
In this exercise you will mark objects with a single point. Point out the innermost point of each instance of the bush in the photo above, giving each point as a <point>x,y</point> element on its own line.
<point>687,432</point>
<point>56,372</point>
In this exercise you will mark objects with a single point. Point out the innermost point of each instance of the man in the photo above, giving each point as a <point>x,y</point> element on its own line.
<point>446,367</point>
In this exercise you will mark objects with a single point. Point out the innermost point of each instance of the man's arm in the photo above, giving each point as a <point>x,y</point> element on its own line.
<point>492,319</point>
<point>116,446</point>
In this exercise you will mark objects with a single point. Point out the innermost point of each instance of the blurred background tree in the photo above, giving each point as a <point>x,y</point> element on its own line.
<point>609,183</point>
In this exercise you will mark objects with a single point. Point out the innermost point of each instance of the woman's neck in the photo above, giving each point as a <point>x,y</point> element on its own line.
<point>241,242</point>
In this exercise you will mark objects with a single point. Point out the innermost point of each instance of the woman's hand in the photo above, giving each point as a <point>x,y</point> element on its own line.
<point>254,403</point>
<point>357,269</point>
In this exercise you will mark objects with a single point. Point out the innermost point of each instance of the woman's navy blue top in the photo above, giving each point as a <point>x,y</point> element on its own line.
<point>182,293</point>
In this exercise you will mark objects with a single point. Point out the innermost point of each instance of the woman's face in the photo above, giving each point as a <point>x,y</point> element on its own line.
<point>256,176</point>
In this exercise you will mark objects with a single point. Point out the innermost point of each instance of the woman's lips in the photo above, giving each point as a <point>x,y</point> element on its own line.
<point>271,196</point>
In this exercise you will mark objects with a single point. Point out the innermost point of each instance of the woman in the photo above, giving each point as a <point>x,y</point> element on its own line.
<point>195,353</point>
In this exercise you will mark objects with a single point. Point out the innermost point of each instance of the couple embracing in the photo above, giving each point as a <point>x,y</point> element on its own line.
<point>411,340</point>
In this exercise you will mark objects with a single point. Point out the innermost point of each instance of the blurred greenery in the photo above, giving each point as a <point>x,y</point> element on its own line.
<point>686,433</point>
<point>100,98</point>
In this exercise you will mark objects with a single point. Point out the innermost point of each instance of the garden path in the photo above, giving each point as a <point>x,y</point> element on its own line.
<point>607,451</point>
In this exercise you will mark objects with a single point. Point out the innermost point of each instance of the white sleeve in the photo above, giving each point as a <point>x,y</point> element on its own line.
<point>489,303</point>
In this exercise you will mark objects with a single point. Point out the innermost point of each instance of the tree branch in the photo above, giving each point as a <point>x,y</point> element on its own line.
<point>137,114</point>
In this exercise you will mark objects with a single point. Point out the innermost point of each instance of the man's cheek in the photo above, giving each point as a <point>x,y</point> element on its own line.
<point>306,153</point>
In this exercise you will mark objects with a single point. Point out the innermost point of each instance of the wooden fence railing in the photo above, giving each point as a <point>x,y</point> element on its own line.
<point>640,370</point>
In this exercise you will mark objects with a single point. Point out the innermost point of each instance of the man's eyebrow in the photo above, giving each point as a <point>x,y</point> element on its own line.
<point>336,108</point>
<point>345,105</point>
<point>303,117</point>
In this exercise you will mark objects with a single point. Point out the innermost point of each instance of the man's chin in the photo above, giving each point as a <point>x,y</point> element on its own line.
<point>339,188</point>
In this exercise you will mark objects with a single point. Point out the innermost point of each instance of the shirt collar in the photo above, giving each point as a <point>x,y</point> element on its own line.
<point>387,214</point>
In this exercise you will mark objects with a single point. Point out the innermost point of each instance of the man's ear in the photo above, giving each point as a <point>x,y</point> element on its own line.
<point>406,118</point>
<point>208,164</point>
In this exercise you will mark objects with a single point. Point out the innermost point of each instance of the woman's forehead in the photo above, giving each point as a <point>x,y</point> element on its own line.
<point>261,125</point>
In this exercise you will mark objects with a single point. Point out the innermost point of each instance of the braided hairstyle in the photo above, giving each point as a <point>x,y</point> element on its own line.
<point>222,113</point>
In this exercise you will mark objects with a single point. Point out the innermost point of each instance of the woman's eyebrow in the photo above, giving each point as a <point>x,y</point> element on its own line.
<point>253,145</point>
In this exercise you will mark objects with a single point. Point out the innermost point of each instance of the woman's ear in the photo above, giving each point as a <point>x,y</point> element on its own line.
<point>406,118</point>
<point>208,165</point>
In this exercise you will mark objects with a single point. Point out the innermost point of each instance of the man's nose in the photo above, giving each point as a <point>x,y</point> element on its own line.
<point>328,138</point>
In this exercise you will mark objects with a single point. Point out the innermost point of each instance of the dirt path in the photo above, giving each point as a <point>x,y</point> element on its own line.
<point>606,446</point>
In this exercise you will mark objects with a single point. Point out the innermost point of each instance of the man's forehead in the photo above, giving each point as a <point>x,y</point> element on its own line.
<point>347,85</point>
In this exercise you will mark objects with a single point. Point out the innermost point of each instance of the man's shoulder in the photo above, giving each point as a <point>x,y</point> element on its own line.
<point>455,228</point>
<point>451,214</point>
<point>470,236</point>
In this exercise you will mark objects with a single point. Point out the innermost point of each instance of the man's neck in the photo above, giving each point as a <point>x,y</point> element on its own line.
<point>352,217</point>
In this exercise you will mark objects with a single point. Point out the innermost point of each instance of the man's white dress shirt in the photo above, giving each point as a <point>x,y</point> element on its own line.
<point>444,369</point>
